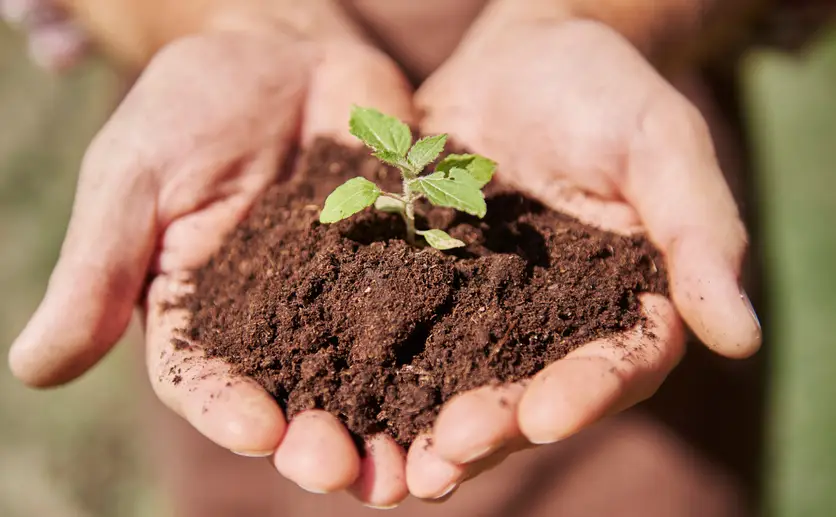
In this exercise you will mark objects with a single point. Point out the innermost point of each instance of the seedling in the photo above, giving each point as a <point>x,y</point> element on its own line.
<point>457,181</point>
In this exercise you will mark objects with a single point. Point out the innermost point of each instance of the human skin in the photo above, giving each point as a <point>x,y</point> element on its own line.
<point>178,165</point>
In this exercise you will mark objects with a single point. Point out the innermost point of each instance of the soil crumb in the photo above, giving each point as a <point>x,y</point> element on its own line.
<point>350,319</point>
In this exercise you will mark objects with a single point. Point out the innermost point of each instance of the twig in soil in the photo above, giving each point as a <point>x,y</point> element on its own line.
<point>456,183</point>
<point>499,344</point>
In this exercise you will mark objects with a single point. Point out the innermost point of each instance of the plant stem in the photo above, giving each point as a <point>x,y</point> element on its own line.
<point>409,213</point>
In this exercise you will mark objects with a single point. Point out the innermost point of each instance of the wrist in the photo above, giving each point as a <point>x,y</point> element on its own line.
<point>131,33</point>
<point>654,27</point>
<point>662,30</point>
<point>321,21</point>
<point>673,33</point>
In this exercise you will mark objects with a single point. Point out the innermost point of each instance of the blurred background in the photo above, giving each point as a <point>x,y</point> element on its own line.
<point>73,452</point>
<point>78,452</point>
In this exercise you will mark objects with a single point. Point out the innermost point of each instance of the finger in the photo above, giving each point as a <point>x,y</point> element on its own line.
<point>382,481</point>
<point>675,183</point>
<point>495,458</point>
<point>474,424</point>
<point>564,196</point>
<point>114,226</point>
<point>363,76</point>
<point>428,476</point>
<point>317,453</point>
<point>603,376</point>
<point>99,274</point>
<point>234,412</point>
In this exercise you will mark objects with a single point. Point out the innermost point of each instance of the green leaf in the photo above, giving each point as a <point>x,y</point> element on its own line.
<point>455,188</point>
<point>479,167</point>
<point>389,157</point>
<point>380,132</point>
<point>440,240</point>
<point>425,151</point>
<point>390,205</point>
<point>348,199</point>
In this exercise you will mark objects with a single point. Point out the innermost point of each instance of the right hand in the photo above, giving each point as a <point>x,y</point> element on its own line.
<point>205,129</point>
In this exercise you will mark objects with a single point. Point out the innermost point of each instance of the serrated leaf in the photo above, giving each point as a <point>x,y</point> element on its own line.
<point>479,167</point>
<point>440,239</point>
<point>455,188</point>
<point>389,157</point>
<point>390,205</point>
<point>380,132</point>
<point>348,199</point>
<point>425,151</point>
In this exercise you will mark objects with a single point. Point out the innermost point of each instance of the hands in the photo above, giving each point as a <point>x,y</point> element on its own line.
<point>214,117</point>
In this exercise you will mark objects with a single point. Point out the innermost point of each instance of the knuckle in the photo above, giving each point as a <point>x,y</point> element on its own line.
<point>670,133</point>
<point>667,116</point>
<point>99,151</point>
<point>110,156</point>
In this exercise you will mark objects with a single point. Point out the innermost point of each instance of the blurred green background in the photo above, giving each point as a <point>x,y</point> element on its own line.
<point>76,452</point>
<point>792,117</point>
<point>73,452</point>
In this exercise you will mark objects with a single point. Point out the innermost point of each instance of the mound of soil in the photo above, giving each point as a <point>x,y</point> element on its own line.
<point>349,318</point>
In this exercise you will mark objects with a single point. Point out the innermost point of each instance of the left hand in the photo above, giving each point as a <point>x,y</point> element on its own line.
<point>576,115</point>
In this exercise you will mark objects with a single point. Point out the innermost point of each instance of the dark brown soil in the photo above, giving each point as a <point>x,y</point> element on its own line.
<point>351,319</point>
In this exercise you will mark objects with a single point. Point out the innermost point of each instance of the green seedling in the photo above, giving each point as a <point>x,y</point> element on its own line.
<point>457,181</point>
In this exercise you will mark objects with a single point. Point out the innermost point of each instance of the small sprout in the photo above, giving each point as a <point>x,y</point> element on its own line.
<point>457,181</point>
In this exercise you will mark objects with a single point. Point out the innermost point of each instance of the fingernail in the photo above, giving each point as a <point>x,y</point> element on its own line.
<point>746,301</point>
<point>381,507</point>
<point>317,491</point>
<point>478,455</point>
<point>541,441</point>
<point>253,454</point>
<point>447,491</point>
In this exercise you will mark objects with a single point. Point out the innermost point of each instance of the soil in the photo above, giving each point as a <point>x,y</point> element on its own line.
<point>349,318</point>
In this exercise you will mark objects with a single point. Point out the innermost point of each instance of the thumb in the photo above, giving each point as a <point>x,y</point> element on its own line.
<point>676,185</point>
<point>99,274</point>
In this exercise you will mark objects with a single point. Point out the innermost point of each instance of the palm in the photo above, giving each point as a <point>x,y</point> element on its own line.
<point>234,149</point>
<point>578,118</point>
<point>214,149</point>
<point>566,124</point>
